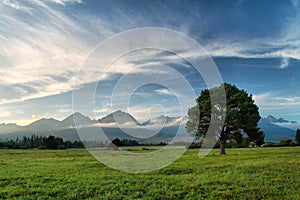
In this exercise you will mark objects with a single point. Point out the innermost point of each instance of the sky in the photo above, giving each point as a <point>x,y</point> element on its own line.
<point>45,43</point>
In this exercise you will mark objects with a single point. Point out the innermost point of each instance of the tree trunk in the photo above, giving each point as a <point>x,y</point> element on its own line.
<point>222,147</point>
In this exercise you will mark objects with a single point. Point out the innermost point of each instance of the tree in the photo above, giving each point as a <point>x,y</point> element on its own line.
<point>241,116</point>
<point>297,138</point>
<point>117,142</point>
<point>52,142</point>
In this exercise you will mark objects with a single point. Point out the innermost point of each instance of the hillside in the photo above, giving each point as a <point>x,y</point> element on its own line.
<point>120,117</point>
<point>275,133</point>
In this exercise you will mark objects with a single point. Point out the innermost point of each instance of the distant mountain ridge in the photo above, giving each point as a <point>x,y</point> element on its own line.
<point>44,123</point>
<point>49,124</point>
<point>120,117</point>
<point>80,120</point>
<point>109,124</point>
<point>8,127</point>
<point>167,126</point>
<point>273,119</point>
<point>274,130</point>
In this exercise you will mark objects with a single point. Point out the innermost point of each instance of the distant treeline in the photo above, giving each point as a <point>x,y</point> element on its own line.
<point>246,143</point>
<point>127,142</point>
<point>52,142</point>
<point>40,142</point>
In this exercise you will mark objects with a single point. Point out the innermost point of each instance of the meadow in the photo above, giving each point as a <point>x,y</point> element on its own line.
<point>251,173</point>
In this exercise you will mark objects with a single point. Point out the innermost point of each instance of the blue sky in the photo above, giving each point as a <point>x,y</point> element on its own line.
<point>255,45</point>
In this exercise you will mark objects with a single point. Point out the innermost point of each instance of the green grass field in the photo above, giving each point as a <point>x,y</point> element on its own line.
<point>257,173</point>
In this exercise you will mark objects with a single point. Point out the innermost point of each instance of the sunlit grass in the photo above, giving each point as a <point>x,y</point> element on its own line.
<point>258,173</point>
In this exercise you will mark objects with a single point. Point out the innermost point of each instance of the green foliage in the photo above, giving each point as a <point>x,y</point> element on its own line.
<point>195,145</point>
<point>257,173</point>
<point>35,141</point>
<point>297,137</point>
<point>52,142</point>
<point>241,115</point>
<point>124,142</point>
<point>285,143</point>
<point>117,142</point>
<point>128,142</point>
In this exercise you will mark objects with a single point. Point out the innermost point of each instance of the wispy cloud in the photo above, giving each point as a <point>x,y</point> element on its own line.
<point>273,100</point>
<point>17,6</point>
<point>63,2</point>
<point>5,113</point>
<point>36,117</point>
<point>277,105</point>
<point>257,48</point>
<point>39,39</point>
<point>164,92</point>
<point>284,63</point>
<point>40,43</point>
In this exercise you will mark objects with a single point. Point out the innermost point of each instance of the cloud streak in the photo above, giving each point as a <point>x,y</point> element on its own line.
<point>39,41</point>
<point>64,2</point>
<point>273,100</point>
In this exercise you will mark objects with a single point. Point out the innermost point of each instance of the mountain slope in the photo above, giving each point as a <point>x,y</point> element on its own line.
<point>273,119</point>
<point>43,124</point>
<point>7,128</point>
<point>120,117</point>
<point>80,120</point>
<point>275,133</point>
<point>44,127</point>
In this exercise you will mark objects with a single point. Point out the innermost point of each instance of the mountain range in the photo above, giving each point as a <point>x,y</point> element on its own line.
<point>120,124</point>
<point>277,129</point>
<point>273,119</point>
<point>117,124</point>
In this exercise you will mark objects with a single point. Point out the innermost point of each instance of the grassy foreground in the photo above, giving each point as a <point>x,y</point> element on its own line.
<point>258,173</point>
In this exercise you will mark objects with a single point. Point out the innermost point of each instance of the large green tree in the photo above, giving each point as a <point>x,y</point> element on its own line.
<point>241,115</point>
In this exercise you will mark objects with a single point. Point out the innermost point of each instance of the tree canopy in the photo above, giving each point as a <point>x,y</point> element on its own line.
<point>241,117</point>
<point>40,142</point>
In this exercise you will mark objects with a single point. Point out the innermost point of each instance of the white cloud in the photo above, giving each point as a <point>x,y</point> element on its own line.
<point>270,100</point>
<point>5,113</point>
<point>103,111</point>
<point>44,43</point>
<point>261,98</point>
<point>284,63</point>
<point>52,47</point>
<point>16,5</point>
<point>164,92</point>
<point>63,2</point>
<point>282,48</point>
<point>36,117</point>
<point>277,105</point>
